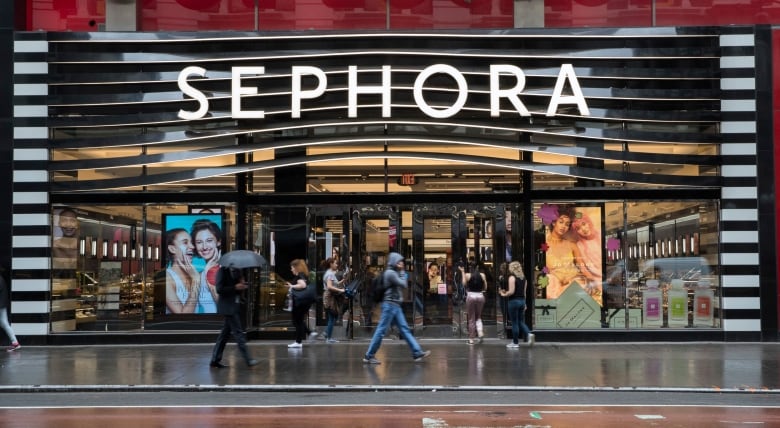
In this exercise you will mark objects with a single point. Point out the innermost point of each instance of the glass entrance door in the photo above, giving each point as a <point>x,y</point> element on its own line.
<point>443,237</point>
<point>432,238</point>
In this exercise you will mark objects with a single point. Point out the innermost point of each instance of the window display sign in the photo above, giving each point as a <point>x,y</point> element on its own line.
<point>193,247</point>
<point>66,236</point>
<point>571,264</point>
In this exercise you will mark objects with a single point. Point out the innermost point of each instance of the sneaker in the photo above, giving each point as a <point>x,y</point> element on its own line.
<point>512,346</point>
<point>472,341</point>
<point>531,339</point>
<point>331,341</point>
<point>421,356</point>
<point>372,360</point>
<point>14,346</point>
<point>313,335</point>
<point>295,345</point>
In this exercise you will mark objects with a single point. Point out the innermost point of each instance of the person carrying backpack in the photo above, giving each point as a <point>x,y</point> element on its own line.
<point>476,286</point>
<point>394,280</point>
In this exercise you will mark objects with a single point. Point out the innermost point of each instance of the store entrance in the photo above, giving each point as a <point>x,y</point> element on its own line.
<point>444,236</point>
<point>432,237</point>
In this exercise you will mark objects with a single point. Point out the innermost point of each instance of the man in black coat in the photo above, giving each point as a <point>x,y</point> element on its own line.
<point>230,282</point>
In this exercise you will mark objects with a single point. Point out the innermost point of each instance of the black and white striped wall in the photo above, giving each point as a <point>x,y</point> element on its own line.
<point>31,231</point>
<point>741,270</point>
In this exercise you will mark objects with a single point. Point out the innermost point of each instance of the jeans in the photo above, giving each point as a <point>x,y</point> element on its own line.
<point>5,325</point>
<point>231,326</point>
<point>517,316</point>
<point>392,314</point>
<point>332,318</point>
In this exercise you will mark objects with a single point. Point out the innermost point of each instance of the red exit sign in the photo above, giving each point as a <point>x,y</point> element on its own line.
<point>407,180</point>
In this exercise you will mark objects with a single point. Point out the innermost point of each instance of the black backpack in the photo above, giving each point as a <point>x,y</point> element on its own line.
<point>378,288</point>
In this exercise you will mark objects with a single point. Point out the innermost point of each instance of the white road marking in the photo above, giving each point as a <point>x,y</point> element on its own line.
<point>648,417</point>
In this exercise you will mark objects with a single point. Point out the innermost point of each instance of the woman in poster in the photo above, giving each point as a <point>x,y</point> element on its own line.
<point>589,243</point>
<point>207,238</point>
<point>565,263</point>
<point>182,281</point>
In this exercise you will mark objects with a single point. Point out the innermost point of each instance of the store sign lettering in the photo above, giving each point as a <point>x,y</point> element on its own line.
<point>566,76</point>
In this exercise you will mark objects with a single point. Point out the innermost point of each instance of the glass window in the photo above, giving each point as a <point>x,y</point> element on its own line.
<point>322,15</point>
<point>102,265</point>
<point>111,269</point>
<point>197,15</point>
<point>711,12</point>
<point>598,13</point>
<point>657,270</point>
<point>67,15</point>
<point>448,14</point>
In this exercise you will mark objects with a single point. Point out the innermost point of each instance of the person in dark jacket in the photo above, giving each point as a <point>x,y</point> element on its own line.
<point>230,282</point>
<point>394,279</point>
<point>5,295</point>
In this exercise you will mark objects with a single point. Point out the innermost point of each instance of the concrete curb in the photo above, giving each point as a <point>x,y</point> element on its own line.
<point>363,388</point>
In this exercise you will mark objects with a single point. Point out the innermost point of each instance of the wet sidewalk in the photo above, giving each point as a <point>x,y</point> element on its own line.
<point>453,365</point>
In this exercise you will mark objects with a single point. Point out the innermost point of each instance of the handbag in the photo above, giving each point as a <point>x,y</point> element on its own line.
<point>307,295</point>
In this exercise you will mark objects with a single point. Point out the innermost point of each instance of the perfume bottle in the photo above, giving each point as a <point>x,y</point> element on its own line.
<point>703,300</point>
<point>652,303</point>
<point>678,304</point>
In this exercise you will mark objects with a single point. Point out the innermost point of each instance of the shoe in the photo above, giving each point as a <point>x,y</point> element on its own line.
<point>472,341</point>
<point>252,362</point>
<point>14,346</point>
<point>331,341</point>
<point>313,335</point>
<point>217,365</point>
<point>372,360</point>
<point>512,346</point>
<point>295,345</point>
<point>421,356</point>
<point>531,339</point>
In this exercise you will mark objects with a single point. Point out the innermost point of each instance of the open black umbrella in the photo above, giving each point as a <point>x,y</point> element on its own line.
<point>242,259</point>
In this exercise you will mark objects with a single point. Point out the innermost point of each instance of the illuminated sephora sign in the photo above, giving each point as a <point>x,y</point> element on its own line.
<point>299,96</point>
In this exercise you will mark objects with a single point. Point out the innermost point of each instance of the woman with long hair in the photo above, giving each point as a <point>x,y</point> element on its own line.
<point>564,259</point>
<point>515,294</point>
<point>207,238</point>
<point>476,286</point>
<point>333,296</point>
<point>303,297</point>
<point>182,281</point>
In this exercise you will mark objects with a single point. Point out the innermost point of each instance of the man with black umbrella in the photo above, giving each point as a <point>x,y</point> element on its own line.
<point>230,283</point>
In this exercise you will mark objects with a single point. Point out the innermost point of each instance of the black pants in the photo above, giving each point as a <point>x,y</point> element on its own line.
<point>231,326</point>
<point>300,312</point>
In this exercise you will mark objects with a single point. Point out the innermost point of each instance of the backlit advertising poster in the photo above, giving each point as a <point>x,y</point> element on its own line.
<point>571,268</point>
<point>193,247</point>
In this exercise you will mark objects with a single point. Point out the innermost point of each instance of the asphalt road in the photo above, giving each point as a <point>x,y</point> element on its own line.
<point>432,409</point>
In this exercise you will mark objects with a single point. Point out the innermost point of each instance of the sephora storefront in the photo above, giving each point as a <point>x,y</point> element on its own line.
<point>617,165</point>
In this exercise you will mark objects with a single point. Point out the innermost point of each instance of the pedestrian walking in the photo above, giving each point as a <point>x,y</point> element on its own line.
<point>476,285</point>
<point>304,295</point>
<point>5,298</point>
<point>515,294</point>
<point>230,283</point>
<point>394,280</point>
<point>333,297</point>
